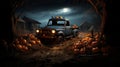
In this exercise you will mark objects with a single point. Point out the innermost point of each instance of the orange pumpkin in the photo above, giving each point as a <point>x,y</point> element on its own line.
<point>75,46</point>
<point>19,46</point>
<point>17,41</point>
<point>32,36</point>
<point>29,44</point>
<point>25,47</point>
<point>76,51</point>
<point>95,49</point>
<point>24,41</point>
<point>97,36</point>
<point>88,35</point>
<point>76,43</point>
<point>94,43</point>
<point>82,50</point>
<point>38,42</point>
<point>33,42</point>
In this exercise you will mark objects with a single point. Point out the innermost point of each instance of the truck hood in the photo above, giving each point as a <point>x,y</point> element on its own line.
<point>56,27</point>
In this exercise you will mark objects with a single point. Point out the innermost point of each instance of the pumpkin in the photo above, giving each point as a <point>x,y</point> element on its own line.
<point>96,36</point>
<point>75,46</point>
<point>24,41</point>
<point>29,44</point>
<point>94,43</point>
<point>87,39</point>
<point>88,35</point>
<point>96,39</point>
<point>89,46</point>
<point>33,42</point>
<point>76,50</point>
<point>95,49</point>
<point>25,47</point>
<point>82,50</point>
<point>76,43</point>
<point>38,42</point>
<point>17,41</point>
<point>35,38</point>
<point>32,36</point>
<point>19,46</point>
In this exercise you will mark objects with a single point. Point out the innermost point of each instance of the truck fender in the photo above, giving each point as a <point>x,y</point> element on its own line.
<point>75,30</point>
<point>61,33</point>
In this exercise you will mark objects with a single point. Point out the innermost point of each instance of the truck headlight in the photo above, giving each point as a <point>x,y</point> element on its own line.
<point>37,31</point>
<point>53,31</point>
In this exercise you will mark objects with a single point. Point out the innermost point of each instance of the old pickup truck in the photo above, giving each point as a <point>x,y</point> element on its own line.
<point>57,29</point>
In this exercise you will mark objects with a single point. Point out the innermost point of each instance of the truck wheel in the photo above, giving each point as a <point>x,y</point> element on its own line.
<point>75,34</point>
<point>60,39</point>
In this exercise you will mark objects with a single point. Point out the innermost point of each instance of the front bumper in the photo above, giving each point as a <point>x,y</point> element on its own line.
<point>47,37</point>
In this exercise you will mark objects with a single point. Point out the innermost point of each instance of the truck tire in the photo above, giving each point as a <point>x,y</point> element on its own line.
<point>75,33</point>
<point>60,39</point>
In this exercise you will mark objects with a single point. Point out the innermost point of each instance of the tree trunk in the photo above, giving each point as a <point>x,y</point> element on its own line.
<point>6,25</point>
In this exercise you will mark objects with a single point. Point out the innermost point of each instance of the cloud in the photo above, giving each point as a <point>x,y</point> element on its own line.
<point>76,14</point>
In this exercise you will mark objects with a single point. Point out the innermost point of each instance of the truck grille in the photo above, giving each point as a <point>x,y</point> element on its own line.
<point>46,32</point>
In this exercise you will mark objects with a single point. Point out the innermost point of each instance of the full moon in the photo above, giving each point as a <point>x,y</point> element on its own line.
<point>66,10</point>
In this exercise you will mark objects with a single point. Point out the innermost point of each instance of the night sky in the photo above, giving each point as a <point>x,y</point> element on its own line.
<point>42,10</point>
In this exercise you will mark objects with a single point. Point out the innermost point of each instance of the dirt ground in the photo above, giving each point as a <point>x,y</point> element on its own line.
<point>56,55</point>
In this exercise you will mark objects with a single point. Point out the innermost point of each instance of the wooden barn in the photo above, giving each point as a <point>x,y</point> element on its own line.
<point>26,25</point>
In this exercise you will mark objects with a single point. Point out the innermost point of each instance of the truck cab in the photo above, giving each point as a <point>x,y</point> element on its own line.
<point>61,25</point>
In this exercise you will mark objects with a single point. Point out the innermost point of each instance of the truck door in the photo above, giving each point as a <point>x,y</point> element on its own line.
<point>68,30</point>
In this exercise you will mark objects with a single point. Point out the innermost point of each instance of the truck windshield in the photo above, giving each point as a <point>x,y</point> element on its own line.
<point>56,23</point>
